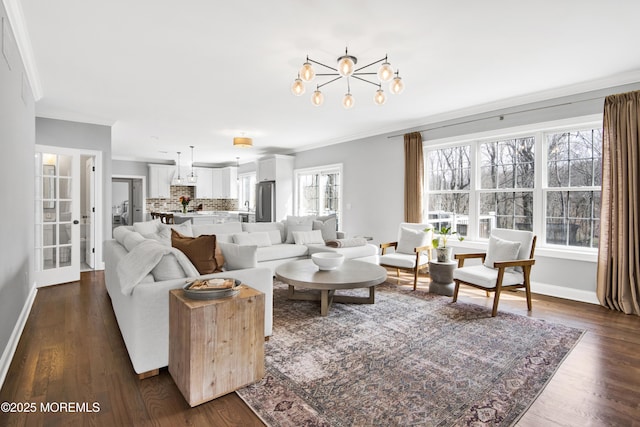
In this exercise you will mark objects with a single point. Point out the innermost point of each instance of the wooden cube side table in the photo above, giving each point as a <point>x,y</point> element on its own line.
<point>215,346</point>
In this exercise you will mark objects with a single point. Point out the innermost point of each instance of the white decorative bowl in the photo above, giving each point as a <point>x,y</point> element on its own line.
<point>327,260</point>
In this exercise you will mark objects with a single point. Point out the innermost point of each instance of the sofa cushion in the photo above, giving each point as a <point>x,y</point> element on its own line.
<point>328,225</point>
<point>217,229</point>
<point>275,252</point>
<point>237,257</point>
<point>258,238</point>
<point>269,227</point>
<point>119,233</point>
<point>200,250</point>
<point>132,239</point>
<point>184,229</point>
<point>168,269</point>
<point>298,223</point>
<point>147,227</point>
<point>304,237</point>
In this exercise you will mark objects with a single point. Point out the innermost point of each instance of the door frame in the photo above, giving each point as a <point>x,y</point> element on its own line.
<point>99,201</point>
<point>144,190</point>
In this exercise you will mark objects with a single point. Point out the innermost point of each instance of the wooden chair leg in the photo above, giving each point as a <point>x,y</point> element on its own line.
<point>397,272</point>
<point>528,292</point>
<point>415,278</point>
<point>455,291</point>
<point>496,300</point>
<point>487,292</point>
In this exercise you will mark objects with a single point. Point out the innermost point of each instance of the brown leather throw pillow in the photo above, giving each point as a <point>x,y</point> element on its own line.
<point>200,250</point>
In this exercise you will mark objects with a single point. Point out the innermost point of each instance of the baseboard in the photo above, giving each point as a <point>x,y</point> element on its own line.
<point>564,292</point>
<point>12,345</point>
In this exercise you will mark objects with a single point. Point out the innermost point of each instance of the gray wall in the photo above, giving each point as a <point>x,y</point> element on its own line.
<point>373,179</point>
<point>17,140</point>
<point>82,136</point>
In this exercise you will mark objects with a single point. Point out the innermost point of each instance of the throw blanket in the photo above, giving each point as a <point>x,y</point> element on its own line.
<point>142,259</point>
<point>346,243</point>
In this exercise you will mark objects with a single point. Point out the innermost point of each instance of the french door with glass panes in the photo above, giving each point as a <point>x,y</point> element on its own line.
<point>57,213</point>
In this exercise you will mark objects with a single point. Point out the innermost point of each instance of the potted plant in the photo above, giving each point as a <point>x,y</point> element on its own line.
<point>443,252</point>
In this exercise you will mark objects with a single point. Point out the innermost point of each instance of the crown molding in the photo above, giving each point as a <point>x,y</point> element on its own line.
<point>21,36</point>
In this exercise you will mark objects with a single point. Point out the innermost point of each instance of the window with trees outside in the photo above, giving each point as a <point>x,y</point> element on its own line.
<point>247,191</point>
<point>547,181</point>
<point>319,191</point>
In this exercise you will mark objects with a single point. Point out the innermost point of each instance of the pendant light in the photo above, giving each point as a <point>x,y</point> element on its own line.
<point>192,178</point>
<point>179,180</point>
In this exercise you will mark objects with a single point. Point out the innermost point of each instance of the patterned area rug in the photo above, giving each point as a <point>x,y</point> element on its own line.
<point>410,359</point>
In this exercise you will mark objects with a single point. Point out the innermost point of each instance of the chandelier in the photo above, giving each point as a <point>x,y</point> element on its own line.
<point>346,68</point>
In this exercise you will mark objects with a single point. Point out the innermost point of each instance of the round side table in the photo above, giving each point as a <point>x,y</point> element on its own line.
<point>442,277</point>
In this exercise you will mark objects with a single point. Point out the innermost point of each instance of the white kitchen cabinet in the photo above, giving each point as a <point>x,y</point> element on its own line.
<point>160,177</point>
<point>266,169</point>
<point>204,184</point>
<point>230,182</point>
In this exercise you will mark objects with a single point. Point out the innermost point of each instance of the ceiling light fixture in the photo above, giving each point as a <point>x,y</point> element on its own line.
<point>179,180</point>
<point>192,178</point>
<point>243,142</point>
<point>346,68</point>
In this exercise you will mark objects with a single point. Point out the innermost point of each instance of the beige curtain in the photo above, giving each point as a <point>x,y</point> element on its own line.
<point>618,284</point>
<point>413,177</point>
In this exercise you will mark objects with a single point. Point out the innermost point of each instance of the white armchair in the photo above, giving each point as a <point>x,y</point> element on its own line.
<point>411,252</point>
<point>506,265</point>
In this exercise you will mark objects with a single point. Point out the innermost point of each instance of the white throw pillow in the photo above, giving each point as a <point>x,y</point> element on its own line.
<point>298,223</point>
<point>133,239</point>
<point>411,239</point>
<point>148,227</point>
<point>328,225</point>
<point>275,236</point>
<point>184,228</point>
<point>237,257</point>
<point>258,238</point>
<point>304,237</point>
<point>501,250</point>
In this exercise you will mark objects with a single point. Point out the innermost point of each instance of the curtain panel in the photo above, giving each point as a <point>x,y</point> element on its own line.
<point>413,177</point>
<point>618,284</point>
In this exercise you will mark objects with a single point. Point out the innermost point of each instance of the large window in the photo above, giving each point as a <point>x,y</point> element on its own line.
<point>319,191</point>
<point>572,193</point>
<point>545,180</point>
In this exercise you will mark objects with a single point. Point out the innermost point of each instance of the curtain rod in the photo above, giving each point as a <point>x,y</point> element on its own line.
<point>500,116</point>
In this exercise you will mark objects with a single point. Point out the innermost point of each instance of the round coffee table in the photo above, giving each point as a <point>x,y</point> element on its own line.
<point>351,274</point>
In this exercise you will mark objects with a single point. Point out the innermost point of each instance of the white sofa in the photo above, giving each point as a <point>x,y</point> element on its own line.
<point>143,315</point>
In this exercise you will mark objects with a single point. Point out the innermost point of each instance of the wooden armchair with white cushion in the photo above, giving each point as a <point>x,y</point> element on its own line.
<point>412,250</point>
<point>506,265</point>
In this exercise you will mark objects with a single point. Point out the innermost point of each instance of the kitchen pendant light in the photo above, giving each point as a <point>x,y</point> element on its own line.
<point>192,178</point>
<point>179,180</point>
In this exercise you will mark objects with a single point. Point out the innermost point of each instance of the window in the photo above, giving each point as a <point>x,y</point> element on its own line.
<point>247,191</point>
<point>319,191</point>
<point>449,186</point>
<point>572,194</point>
<point>507,174</point>
<point>546,180</point>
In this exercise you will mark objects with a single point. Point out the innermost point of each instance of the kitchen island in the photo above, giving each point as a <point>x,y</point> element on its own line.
<point>207,217</point>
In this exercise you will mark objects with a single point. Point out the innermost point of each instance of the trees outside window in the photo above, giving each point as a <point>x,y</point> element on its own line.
<point>547,182</point>
<point>572,193</point>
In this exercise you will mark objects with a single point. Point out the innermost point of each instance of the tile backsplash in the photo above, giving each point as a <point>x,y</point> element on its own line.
<point>173,203</point>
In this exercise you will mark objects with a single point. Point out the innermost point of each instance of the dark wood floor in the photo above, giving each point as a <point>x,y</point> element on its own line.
<point>71,351</point>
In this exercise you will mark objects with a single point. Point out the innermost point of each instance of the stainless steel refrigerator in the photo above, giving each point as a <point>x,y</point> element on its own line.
<point>266,201</point>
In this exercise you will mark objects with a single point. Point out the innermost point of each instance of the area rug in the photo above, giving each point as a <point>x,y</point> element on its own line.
<point>410,359</point>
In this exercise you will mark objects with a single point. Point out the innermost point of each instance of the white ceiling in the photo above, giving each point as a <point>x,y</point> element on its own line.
<point>169,74</point>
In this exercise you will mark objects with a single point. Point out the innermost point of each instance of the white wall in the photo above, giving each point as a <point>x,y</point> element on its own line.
<point>17,141</point>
